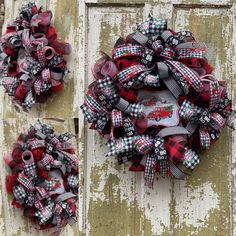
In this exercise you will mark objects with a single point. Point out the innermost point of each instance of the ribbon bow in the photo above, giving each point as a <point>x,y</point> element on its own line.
<point>209,122</point>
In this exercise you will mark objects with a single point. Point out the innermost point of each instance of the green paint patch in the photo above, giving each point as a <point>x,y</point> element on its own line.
<point>113,215</point>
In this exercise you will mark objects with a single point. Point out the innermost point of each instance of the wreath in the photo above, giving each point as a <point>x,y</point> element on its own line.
<point>32,62</point>
<point>44,179</point>
<point>158,100</point>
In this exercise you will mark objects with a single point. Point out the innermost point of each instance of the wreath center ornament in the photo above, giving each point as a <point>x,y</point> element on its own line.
<point>158,100</point>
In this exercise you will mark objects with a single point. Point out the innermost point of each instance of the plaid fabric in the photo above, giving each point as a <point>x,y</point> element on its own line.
<point>205,139</point>
<point>167,53</point>
<point>157,46</point>
<point>121,145</point>
<point>73,181</point>
<point>179,78</point>
<point>182,53</point>
<point>188,74</point>
<point>217,121</point>
<point>47,160</point>
<point>163,168</point>
<point>10,84</point>
<point>45,214</point>
<point>38,204</point>
<point>29,99</point>
<point>127,51</point>
<point>109,90</point>
<point>25,181</point>
<point>38,86</point>
<point>41,54</point>
<point>214,94</point>
<point>190,112</point>
<point>159,148</point>
<point>143,145</point>
<point>134,110</point>
<point>150,169</point>
<point>19,193</point>
<point>190,159</point>
<point>71,159</point>
<point>88,113</point>
<point>129,72</point>
<point>152,27</point>
<point>42,194</point>
<point>65,137</point>
<point>30,170</point>
<point>36,143</point>
<point>175,150</point>
<point>52,184</point>
<point>92,103</point>
<point>116,118</point>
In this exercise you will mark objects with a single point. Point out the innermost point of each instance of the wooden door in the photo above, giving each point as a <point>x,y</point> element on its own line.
<point>115,201</point>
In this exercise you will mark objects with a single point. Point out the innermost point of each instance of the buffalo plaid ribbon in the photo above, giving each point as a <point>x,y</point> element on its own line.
<point>175,150</point>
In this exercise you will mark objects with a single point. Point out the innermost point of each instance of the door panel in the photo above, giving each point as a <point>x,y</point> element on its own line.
<point>115,201</point>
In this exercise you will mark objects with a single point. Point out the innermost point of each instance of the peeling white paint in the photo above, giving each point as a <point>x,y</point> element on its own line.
<point>194,206</point>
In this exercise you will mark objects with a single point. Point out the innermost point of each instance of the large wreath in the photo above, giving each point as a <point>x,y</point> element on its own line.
<point>32,63</point>
<point>44,179</point>
<point>158,100</point>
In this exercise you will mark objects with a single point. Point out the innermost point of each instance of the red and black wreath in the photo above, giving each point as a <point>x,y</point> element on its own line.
<point>32,62</point>
<point>44,179</point>
<point>158,100</point>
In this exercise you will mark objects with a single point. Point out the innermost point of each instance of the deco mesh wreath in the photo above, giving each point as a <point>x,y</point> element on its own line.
<point>32,65</point>
<point>44,178</point>
<point>158,100</point>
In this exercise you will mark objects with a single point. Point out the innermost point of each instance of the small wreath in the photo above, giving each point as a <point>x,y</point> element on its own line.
<point>44,178</point>
<point>158,100</point>
<point>32,63</point>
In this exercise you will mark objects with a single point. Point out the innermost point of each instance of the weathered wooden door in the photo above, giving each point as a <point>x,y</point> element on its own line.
<point>115,201</point>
